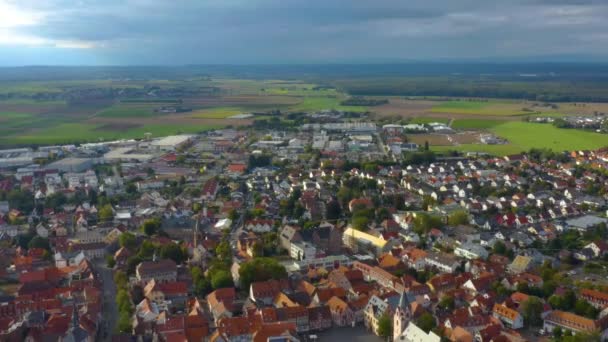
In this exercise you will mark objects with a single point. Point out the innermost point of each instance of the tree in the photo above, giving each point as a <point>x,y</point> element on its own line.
<point>426,322</point>
<point>258,250</point>
<point>39,242</point>
<point>110,261</point>
<point>360,222</point>
<point>447,303</point>
<point>458,217</point>
<point>557,333</point>
<point>531,310</point>
<point>106,213</point>
<point>260,269</point>
<point>151,226</point>
<point>124,322</point>
<point>499,248</point>
<point>233,215</point>
<point>127,240</point>
<point>221,279</point>
<point>333,210</point>
<point>22,200</point>
<point>55,200</point>
<point>223,251</point>
<point>385,326</point>
<point>174,252</point>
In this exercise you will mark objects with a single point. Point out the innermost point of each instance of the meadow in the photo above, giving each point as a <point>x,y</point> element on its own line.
<point>523,136</point>
<point>489,107</point>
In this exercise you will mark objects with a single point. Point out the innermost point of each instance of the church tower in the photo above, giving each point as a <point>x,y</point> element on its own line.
<point>402,316</point>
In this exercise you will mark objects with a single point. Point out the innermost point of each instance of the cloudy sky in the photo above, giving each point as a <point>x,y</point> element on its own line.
<point>100,32</point>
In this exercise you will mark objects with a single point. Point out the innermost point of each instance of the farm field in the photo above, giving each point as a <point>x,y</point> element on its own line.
<point>489,107</point>
<point>478,124</point>
<point>522,136</point>
<point>33,119</point>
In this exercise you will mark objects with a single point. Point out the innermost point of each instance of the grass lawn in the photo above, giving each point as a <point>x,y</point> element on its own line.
<point>311,103</point>
<point>479,108</point>
<point>475,123</point>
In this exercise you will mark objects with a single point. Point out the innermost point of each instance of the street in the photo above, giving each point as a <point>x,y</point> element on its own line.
<point>110,311</point>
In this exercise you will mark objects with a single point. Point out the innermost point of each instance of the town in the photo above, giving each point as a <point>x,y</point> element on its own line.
<point>333,230</point>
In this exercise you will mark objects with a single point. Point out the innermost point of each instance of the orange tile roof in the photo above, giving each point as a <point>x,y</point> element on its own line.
<point>504,311</point>
<point>571,321</point>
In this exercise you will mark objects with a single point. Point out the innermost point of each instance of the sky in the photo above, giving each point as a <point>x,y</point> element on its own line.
<point>177,32</point>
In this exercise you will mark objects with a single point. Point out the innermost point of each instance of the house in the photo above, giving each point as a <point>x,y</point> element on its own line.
<point>259,225</point>
<point>599,248</point>
<point>302,250</point>
<point>520,264</point>
<point>236,169</point>
<point>289,234</point>
<point>319,318</point>
<point>161,271</point>
<point>341,313</point>
<point>174,293</point>
<point>596,298</point>
<point>413,333</point>
<point>471,251</point>
<point>569,321</point>
<point>361,242</point>
<point>511,318</point>
<point>221,303</point>
<point>442,261</point>
<point>264,292</point>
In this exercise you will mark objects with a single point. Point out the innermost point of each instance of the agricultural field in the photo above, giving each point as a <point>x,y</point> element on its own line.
<point>476,124</point>
<point>33,119</point>
<point>522,136</point>
<point>489,107</point>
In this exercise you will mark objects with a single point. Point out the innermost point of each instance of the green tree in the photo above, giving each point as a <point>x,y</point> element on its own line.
<point>360,223</point>
<point>333,210</point>
<point>531,311</point>
<point>447,303</point>
<point>124,323</point>
<point>426,322</point>
<point>557,333</point>
<point>458,217</point>
<point>110,262</point>
<point>127,240</point>
<point>260,269</point>
<point>385,326</point>
<point>106,213</point>
<point>55,200</point>
<point>223,251</point>
<point>221,279</point>
<point>39,242</point>
<point>174,252</point>
<point>151,226</point>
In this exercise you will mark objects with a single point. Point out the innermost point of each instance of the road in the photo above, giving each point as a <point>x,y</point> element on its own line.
<point>110,310</point>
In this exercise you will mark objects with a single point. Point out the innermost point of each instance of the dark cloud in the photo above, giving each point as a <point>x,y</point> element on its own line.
<point>241,31</point>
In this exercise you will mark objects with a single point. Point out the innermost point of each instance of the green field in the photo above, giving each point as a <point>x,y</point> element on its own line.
<point>475,123</point>
<point>218,112</point>
<point>129,111</point>
<point>528,135</point>
<point>321,103</point>
<point>523,136</point>
<point>490,107</point>
<point>80,132</point>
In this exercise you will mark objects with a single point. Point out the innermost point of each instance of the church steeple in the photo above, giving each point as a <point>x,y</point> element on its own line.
<point>402,316</point>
